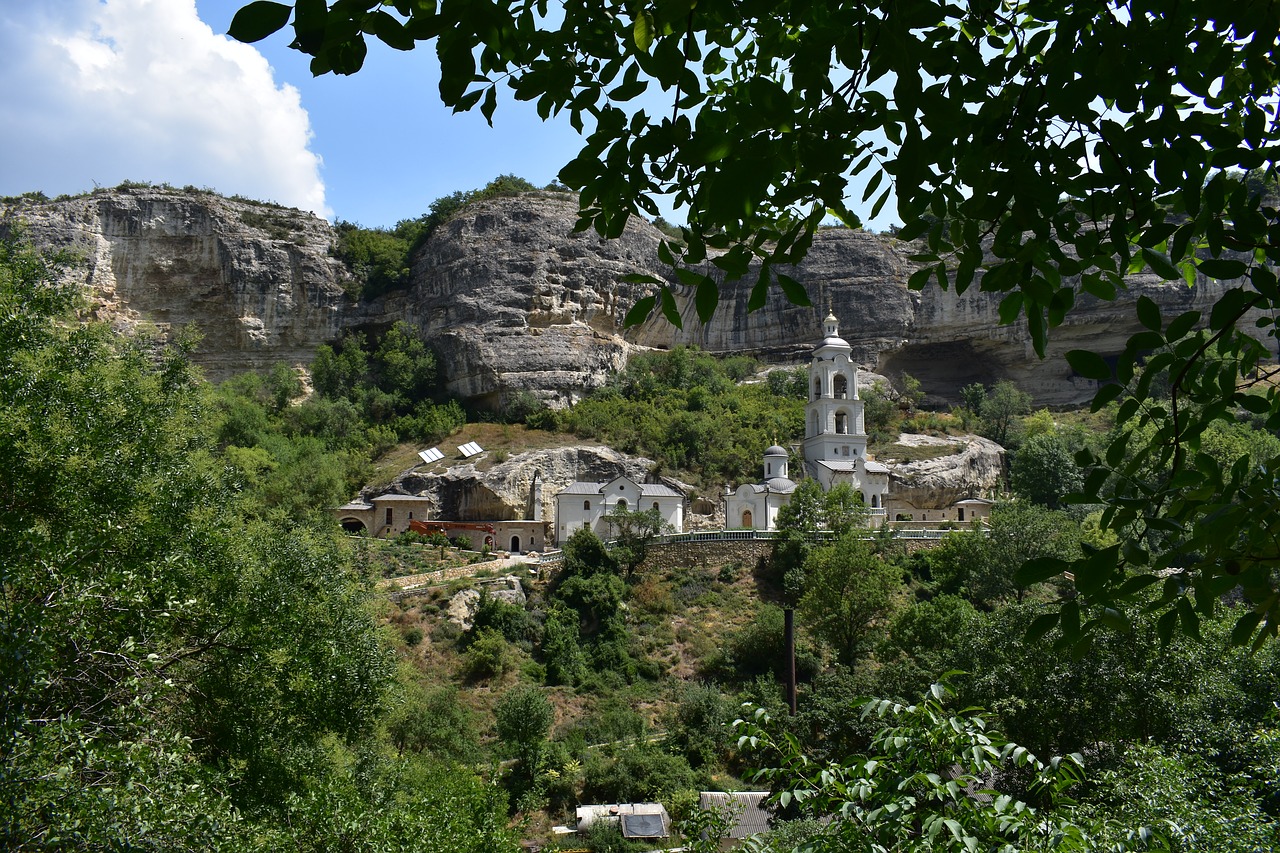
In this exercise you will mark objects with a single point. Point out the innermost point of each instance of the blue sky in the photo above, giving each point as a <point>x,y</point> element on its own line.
<point>94,92</point>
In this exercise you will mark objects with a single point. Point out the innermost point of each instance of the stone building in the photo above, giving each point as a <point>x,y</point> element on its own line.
<point>385,516</point>
<point>583,504</point>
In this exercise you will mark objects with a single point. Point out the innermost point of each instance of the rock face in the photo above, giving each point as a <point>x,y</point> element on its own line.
<point>257,281</point>
<point>513,301</point>
<point>503,492</point>
<point>939,482</point>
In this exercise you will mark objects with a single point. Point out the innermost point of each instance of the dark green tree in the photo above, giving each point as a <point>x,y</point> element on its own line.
<point>850,594</point>
<point>1044,472</point>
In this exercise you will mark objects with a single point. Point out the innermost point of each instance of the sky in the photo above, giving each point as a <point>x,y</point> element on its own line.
<point>95,92</point>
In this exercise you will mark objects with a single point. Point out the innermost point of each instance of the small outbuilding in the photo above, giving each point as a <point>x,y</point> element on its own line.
<point>636,820</point>
<point>746,808</point>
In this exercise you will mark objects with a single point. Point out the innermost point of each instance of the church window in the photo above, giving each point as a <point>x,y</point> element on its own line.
<point>841,387</point>
<point>622,503</point>
<point>768,469</point>
<point>655,506</point>
<point>586,505</point>
<point>817,387</point>
<point>842,423</point>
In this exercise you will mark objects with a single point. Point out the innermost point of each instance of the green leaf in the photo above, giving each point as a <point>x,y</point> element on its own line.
<point>1221,268</point>
<point>1089,364</point>
<point>1182,324</point>
<point>258,20</point>
<point>1160,264</point>
<point>640,312</point>
<point>706,298</point>
<point>643,31</point>
<point>794,291</point>
<point>1041,625</point>
<point>1038,569</point>
<point>1149,313</point>
<point>669,309</point>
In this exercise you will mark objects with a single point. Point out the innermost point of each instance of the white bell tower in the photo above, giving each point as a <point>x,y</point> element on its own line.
<point>834,424</point>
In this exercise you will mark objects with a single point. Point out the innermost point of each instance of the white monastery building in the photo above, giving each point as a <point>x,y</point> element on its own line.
<point>835,443</point>
<point>584,504</point>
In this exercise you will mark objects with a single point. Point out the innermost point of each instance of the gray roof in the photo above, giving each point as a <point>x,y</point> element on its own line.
<point>851,465</point>
<point>637,820</point>
<point>648,490</point>
<point>402,499</point>
<point>750,815</point>
<point>355,506</point>
<point>776,485</point>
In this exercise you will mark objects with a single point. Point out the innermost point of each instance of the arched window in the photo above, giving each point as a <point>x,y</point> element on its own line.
<point>817,386</point>
<point>875,501</point>
<point>841,387</point>
<point>586,505</point>
<point>622,503</point>
<point>746,519</point>
<point>655,506</point>
<point>842,423</point>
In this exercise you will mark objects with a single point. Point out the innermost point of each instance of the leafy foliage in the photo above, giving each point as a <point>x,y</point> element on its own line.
<point>686,410</point>
<point>915,789</point>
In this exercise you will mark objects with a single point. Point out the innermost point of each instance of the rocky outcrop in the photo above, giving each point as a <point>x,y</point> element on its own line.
<point>503,491</point>
<point>514,301</point>
<point>974,470</point>
<point>257,281</point>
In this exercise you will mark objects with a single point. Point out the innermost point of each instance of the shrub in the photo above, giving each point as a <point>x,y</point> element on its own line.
<point>488,656</point>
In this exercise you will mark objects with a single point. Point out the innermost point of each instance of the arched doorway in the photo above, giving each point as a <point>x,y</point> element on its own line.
<point>354,525</point>
<point>747,520</point>
<point>515,544</point>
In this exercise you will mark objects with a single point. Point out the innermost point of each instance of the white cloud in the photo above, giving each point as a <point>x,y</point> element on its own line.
<point>99,91</point>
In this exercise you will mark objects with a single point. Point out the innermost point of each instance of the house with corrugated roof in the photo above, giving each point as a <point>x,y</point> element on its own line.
<point>745,809</point>
<point>586,504</point>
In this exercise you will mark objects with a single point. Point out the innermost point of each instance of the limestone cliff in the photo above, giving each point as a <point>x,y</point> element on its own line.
<point>512,300</point>
<point>257,281</point>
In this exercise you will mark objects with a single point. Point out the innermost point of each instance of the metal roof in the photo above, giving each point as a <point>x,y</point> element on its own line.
<point>748,811</point>
<point>381,499</point>
<point>648,490</point>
